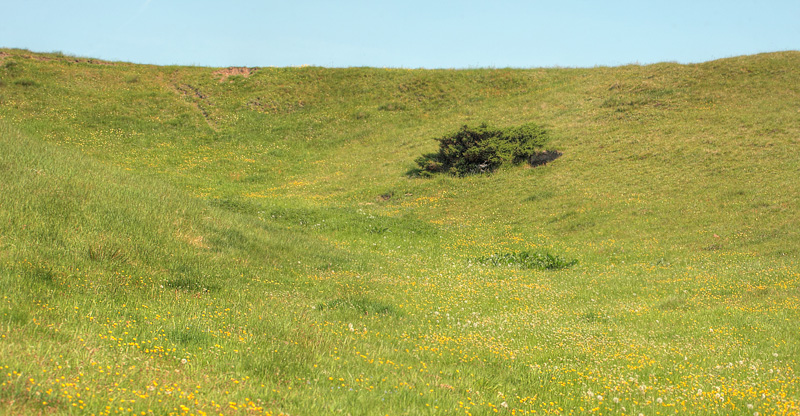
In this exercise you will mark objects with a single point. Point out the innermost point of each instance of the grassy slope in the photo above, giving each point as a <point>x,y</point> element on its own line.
<point>154,214</point>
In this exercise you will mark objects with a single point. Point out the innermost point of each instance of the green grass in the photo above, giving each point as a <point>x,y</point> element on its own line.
<point>170,243</point>
<point>528,260</point>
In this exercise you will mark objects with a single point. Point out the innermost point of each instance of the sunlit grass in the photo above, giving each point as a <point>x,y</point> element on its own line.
<point>173,244</point>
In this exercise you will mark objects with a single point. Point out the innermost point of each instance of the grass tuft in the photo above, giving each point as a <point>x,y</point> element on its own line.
<point>363,306</point>
<point>540,260</point>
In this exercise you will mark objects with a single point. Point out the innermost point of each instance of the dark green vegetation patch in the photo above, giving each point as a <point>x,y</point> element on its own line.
<point>540,260</point>
<point>363,306</point>
<point>482,149</point>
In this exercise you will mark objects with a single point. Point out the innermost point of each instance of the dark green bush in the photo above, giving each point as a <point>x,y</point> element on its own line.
<point>481,149</point>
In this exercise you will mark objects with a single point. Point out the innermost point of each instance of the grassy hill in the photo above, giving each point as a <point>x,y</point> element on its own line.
<point>194,240</point>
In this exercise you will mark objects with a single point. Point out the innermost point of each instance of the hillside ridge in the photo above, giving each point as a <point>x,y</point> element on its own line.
<point>180,240</point>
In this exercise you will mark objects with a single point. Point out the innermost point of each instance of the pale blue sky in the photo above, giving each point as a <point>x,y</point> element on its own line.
<point>409,33</point>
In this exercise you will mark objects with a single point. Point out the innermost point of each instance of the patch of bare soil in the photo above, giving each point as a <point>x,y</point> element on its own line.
<point>234,71</point>
<point>198,100</point>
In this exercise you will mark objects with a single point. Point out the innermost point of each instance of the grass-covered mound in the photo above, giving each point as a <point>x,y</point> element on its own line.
<point>174,244</point>
<point>481,149</point>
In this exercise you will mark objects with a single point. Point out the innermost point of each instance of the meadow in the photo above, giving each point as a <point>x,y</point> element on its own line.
<point>205,241</point>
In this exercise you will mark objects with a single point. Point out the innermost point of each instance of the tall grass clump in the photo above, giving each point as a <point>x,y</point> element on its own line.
<point>541,260</point>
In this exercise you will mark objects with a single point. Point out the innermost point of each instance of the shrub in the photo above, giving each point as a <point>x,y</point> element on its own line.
<point>482,149</point>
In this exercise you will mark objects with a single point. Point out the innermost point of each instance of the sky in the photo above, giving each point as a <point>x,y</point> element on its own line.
<point>402,34</point>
